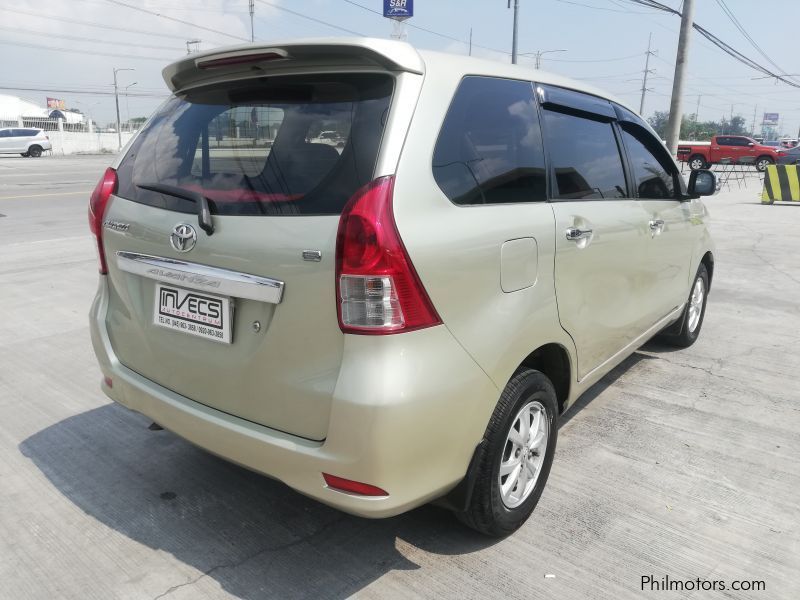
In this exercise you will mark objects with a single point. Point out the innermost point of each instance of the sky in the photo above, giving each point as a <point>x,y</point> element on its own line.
<point>50,48</point>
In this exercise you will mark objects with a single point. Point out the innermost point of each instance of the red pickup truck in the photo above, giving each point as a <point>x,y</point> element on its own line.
<point>734,147</point>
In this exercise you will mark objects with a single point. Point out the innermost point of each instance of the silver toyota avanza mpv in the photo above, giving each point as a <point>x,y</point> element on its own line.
<point>400,316</point>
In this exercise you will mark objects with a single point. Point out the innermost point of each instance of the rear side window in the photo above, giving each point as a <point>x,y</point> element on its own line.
<point>489,149</point>
<point>257,148</point>
<point>585,157</point>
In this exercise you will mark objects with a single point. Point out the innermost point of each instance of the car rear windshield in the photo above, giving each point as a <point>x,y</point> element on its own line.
<point>292,145</point>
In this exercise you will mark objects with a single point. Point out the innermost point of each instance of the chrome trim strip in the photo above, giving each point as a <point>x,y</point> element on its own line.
<point>202,277</point>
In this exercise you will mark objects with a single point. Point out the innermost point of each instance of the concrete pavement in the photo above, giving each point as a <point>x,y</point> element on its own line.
<point>679,463</point>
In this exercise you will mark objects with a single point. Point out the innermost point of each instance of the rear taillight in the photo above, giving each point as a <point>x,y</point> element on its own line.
<point>97,208</point>
<point>377,289</point>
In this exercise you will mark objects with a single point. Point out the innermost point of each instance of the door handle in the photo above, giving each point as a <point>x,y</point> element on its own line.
<point>574,234</point>
<point>656,226</point>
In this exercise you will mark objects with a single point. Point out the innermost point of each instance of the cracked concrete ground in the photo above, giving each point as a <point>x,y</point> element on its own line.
<point>679,463</point>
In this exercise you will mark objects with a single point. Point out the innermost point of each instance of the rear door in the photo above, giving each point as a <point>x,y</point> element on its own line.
<point>241,318</point>
<point>601,282</point>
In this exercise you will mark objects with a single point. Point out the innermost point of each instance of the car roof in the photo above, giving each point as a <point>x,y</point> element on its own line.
<point>389,54</point>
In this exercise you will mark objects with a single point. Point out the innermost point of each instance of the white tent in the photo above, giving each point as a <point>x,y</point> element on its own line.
<point>12,107</point>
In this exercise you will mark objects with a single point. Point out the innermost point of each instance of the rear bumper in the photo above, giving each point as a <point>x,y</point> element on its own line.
<point>407,413</point>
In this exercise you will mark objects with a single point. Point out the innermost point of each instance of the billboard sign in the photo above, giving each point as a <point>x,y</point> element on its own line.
<point>398,9</point>
<point>771,118</point>
<point>56,103</point>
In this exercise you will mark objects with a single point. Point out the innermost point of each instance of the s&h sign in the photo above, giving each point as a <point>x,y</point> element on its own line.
<point>398,9</point>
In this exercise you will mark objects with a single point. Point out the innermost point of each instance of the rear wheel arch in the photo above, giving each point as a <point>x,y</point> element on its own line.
<point>708,261</point>
<point>553,361</point>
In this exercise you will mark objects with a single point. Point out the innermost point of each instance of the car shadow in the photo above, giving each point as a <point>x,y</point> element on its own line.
<point>254,536</point>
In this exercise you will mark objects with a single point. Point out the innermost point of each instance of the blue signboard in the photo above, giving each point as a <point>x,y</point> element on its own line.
<point>398,9</point>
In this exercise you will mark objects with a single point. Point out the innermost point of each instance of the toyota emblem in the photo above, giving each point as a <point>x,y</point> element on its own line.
<point>183,237</point>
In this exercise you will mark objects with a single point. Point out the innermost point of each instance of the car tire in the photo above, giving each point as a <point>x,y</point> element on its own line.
<point>697,162</point>
<point>35,151</point>
<point>24,155</point>
<point>686,330</point>
<point>527,412</point>
<point>762,162</point>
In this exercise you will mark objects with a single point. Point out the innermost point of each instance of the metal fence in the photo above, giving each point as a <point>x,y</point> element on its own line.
<point>76,137</point>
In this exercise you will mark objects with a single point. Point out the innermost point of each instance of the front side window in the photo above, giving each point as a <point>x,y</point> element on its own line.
<point>489,149</point>
<point>585,157</point>
<point>653,173</point>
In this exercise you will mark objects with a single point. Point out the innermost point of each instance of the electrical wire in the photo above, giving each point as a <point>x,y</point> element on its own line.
<point>90,52</point>
<point>729,13</point>
<point>85,39</point>
<point>302,16</point>
<point>92,24</point>
<point>727,48</point>
<point>177,20</point>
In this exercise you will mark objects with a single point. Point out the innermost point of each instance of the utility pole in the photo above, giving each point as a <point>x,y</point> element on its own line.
<point>252,11</point>
<point>116,101</point>
<point>753,128</point>
<point>470,41</point>
<point>538,56</point>
<point>514,35</point>
<point>675,105</point>
<point>647,70</point>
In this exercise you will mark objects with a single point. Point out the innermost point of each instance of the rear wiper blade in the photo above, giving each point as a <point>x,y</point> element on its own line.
<point>203,212</point>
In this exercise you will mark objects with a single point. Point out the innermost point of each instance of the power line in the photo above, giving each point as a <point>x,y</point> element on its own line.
<point>728,49</point>
<point>594,60</point>
<point>84,39</point>
<point>90,52</point>
<point>426,30</point>
<point>307,17</point>
<point>177,20</point>
<point>81,92</point>
<point>729,13</point>
<point>93,24</point>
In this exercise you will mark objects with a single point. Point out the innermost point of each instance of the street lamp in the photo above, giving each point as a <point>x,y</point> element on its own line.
<point>116,101</point>
<point>538,54</point>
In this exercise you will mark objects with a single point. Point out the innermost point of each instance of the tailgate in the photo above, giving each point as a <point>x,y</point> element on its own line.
<point>242,317</point>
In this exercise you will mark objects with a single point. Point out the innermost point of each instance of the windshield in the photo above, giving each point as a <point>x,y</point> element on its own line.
<point>263,147</point>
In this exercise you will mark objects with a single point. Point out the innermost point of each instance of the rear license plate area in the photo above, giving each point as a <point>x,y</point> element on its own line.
<point>193,313</point>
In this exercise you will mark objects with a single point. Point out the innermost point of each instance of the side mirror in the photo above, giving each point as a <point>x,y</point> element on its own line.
<point>702,183</point>
<point>750,143</point>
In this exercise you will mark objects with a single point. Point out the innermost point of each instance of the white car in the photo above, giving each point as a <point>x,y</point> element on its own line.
<point>27,141</point>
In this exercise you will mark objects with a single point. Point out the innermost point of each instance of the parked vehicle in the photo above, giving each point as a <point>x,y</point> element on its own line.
<point>403,320</point>
<point>790,156</point>
<point>27,141</point>
<point>733,147</point>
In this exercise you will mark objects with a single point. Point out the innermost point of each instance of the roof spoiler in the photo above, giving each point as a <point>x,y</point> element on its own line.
<point>256,59</point>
